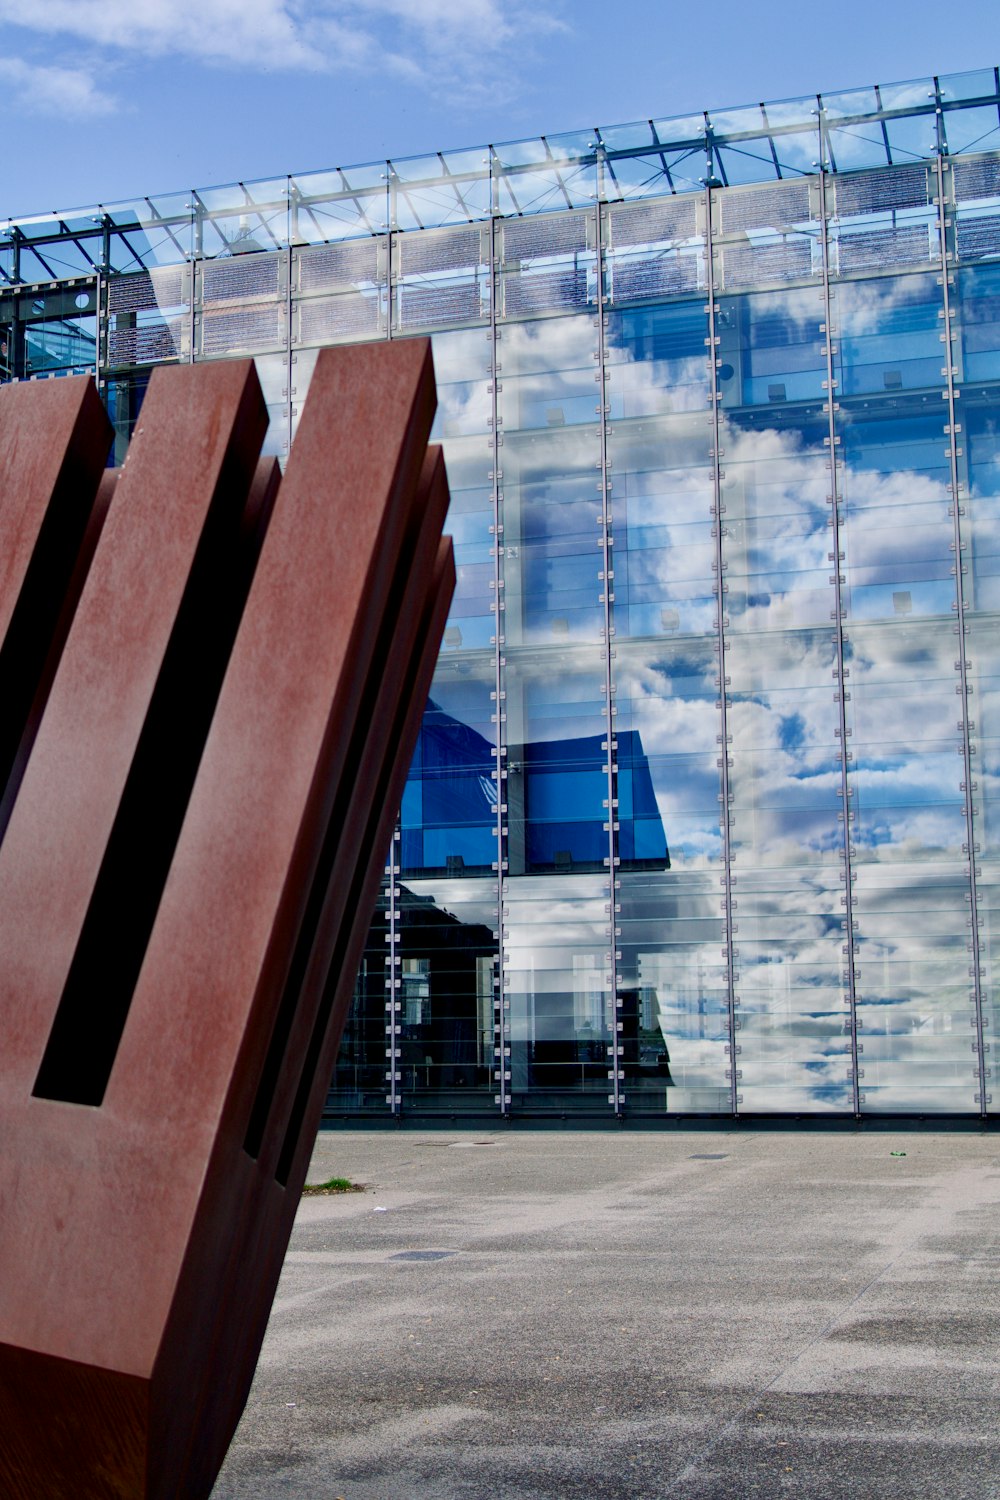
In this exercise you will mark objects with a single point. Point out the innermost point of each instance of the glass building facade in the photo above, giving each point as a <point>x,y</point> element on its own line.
<point>705,813</point>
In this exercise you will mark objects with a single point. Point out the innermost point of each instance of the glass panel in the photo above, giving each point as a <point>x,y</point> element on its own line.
<point>343,266</point>
<point>242,218</point>
<point>915,1003</point>
<point>359,1084</point>
<point>976,185</point>
<point>896,497</point>
<point>912,137</point>
<point>243,302</point>
<point>51,331</point>
<point>61,256</point>
<point>911,897</point>
<point>441,277</point>
<point>981,509</point>
<point>673,983</point>
<point>556,786</point>
<point>680,128</point>
<point>785,780</point>
<point>908,805</point>
<point>665,568</point>
<point>343,204</point>
<point>775,518</point>
<point>547,264</point>
<point>654,249</point>
<point>761,158</point>
<point>356,272</point>
<point>448,947</point>
<point>786,837</point>
<point>978,305</point>
<point>668,734</point>
<point>657,363</point>
<point>123,398</point>
<point>557,993</point>
<point>545,188</point>
<point>883,220</point>
<point>792,1015</point>
<point>145,234</point>
<point>450,804</point>
<point>433,190</point>
<point>676,172</point>
<point>980,83</point>
<point>857,145</point>
<point>551,480</point>
<point>768,234</point>
<point>771,351</point>
<point>889,336</point>
<point>149,316</point>
<point>628,137</point>
<point>989,950</point>
<point>979,464</point>
<point>850,103</point>
<point>272,372</point>
<point>972,129</point>
<point>463,367</point>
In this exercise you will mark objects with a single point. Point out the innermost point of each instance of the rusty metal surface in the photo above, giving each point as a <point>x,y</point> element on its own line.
<point>185,884</point>
<point>54,439</point>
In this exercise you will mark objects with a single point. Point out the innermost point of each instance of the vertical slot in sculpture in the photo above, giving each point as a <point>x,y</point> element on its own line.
<point>212,677</point>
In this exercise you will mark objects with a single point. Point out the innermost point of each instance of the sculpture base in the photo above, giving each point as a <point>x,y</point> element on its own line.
<point>70,1431</point>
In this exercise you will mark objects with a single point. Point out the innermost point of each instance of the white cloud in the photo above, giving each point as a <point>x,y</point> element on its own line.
<point>253,33</point>
<point>428,43</point>
<point>46,90</point>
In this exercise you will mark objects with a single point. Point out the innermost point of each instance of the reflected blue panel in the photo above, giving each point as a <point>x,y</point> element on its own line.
<point>657,362</point>
<point>450,804</point>
<point>771,348</point>
<point>565,778</point>
<point>889,335</point>
<point>556,788</point>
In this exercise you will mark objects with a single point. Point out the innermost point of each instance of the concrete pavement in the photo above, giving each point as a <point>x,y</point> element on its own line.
<point>724,1315</point>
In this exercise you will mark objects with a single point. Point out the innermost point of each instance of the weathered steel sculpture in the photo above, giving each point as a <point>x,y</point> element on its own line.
<point>211,679</point>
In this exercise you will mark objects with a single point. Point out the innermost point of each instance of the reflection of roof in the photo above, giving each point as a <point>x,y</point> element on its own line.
<point>564,784</point>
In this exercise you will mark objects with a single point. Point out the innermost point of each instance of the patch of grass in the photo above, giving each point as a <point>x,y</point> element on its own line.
<point>332,1185</point>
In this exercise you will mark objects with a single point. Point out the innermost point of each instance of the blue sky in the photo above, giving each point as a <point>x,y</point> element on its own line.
<point>109,99</point>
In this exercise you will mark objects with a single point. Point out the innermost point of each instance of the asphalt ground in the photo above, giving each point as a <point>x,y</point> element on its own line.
<point>720,1315</point>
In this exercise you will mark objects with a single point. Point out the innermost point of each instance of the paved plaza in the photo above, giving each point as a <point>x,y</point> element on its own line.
<point>708,1315</point>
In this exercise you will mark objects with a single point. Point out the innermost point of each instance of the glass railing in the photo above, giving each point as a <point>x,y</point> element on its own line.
<point>878,126</point>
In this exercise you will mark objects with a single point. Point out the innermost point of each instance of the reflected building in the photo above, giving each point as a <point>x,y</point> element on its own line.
<point>701,817</point>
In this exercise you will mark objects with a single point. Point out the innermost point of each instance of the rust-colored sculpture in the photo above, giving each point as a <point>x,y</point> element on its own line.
<point>211,683</point>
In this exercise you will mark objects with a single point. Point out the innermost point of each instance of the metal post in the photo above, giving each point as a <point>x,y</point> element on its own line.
<point>719,531</point>
<point>837,579</point>
<point>612,976</point>
<point>394,983</point>
<point>965,723</point>
<point>502,1069</point>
